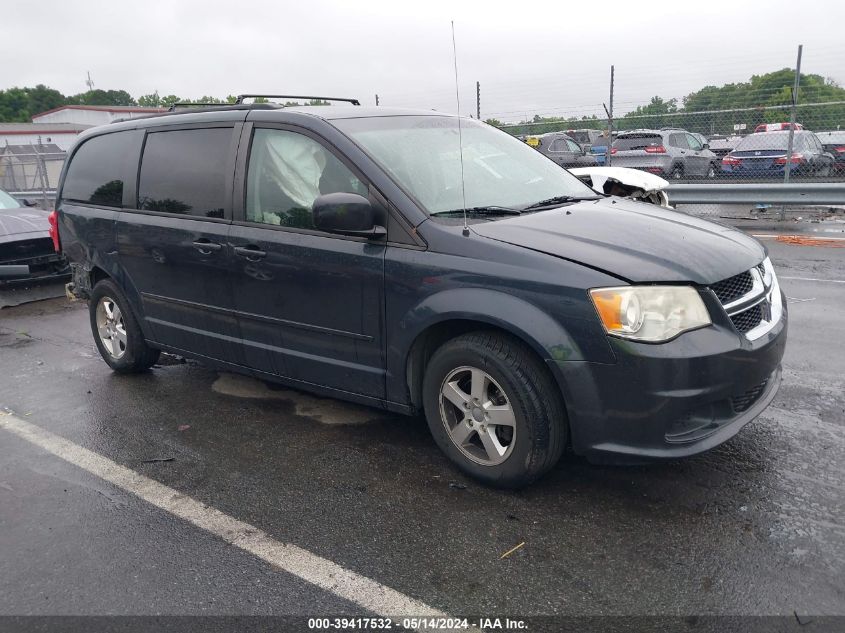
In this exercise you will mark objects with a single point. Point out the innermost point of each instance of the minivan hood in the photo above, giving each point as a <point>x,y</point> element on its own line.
<point>635,241</point>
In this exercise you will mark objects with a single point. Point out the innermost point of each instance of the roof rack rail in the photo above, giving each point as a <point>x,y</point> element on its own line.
<point>195,104</point>
<point>241,98</point>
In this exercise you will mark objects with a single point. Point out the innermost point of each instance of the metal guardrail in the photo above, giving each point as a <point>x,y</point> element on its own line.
<point>33,193</point>
<point>753,193</point>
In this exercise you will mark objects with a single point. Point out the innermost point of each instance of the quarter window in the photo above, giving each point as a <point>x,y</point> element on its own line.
<point>287,172</point>
<point>184,171</point>
<point>96,171</point>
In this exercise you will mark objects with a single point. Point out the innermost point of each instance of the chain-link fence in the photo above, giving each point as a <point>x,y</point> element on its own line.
<point>31,172</point>
<point>730,145</point>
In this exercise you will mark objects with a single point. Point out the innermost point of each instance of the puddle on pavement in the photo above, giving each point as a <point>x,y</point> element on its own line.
<point>324,410</point>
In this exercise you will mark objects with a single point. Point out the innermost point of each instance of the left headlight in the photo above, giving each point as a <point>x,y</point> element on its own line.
<point>650,313</point>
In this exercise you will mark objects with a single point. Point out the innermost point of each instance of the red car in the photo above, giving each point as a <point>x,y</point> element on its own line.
<point>776,127</point>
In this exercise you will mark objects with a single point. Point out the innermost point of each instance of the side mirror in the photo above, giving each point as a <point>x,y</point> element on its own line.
<point>346,214</point>
<point>706,146</point>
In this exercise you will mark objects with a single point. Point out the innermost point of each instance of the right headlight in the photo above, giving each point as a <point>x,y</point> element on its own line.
<point>653,314</point>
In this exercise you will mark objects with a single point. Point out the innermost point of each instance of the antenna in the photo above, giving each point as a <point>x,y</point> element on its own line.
<point>89,82</point>
<point>460,135</point>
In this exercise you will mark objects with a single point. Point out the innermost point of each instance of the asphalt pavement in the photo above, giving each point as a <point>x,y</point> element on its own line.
<point>755,527</point>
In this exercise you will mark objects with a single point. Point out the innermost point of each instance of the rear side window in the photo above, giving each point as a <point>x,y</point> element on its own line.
<point>184,171</point>
<point>559,145</point>
<point>678,140</point>
<point>637,141</point>
<point>96,171</point>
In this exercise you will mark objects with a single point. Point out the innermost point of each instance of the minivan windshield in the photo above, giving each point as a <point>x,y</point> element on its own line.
<point>422,153</point>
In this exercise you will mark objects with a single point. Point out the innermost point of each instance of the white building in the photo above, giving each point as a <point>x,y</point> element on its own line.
<point>92,115</point>
<point>61,134</point>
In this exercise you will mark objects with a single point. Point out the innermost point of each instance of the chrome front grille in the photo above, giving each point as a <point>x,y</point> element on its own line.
<point>734,287</point>
<point>747,320</point>
<point>751,300</point>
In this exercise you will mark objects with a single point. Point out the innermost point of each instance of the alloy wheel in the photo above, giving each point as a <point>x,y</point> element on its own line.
<point>477,415</point>
<point>111,328</point>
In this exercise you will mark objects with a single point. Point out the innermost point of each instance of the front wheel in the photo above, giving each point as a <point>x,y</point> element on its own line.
<point>493,409</point>
<point>118,337</point>
<point>677,173</point>
<point>711,172</point>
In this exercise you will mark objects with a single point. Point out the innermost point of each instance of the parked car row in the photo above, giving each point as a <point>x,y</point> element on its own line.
<point>676,153</point>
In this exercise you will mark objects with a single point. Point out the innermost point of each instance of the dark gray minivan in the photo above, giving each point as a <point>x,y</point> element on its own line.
<point>416,262</point>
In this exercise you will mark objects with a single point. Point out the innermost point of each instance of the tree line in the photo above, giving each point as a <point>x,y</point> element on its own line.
<point>762,99</point>
<point>21,104</point>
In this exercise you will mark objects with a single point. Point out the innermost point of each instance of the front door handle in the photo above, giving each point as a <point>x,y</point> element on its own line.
<point>251,252</point>
<point>207,247</point>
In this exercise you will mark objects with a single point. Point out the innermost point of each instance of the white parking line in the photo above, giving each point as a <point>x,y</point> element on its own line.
<point>827,281</point>
<point>325,574</point>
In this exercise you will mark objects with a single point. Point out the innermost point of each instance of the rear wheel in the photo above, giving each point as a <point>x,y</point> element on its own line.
<point>493,409</point>
<point>118,337</point>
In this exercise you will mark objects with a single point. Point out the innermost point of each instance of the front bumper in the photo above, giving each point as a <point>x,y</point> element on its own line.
<point>674,399</point>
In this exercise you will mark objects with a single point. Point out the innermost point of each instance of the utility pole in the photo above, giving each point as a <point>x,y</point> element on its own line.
<point>609,111</point>
<point>478,100</point>
<point>376,99</point>
<point>792,113</point>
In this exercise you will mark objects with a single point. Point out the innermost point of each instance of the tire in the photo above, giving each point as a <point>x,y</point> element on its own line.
<point>824,172</point>
<point>677,173</point>
<point>711,172</point>
<point>117,334</point>
<point>531,437</point>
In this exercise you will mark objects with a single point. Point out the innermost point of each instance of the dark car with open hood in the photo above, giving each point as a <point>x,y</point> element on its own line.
<point>27,254</point>
<point>421,263</point>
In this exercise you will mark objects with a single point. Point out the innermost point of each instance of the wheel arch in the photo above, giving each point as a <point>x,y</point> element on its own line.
<point>539,332</point>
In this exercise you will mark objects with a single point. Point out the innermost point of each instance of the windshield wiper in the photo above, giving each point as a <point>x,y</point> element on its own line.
<point>485,210</point>
<point>558,200</point>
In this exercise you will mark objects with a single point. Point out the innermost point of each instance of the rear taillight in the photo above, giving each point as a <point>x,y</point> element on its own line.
<point>613,150</point>
<point>730,161</point>
<point>796,158</point>
<point>655,149</point>
<point>839,150</point>
<point>53,219</point>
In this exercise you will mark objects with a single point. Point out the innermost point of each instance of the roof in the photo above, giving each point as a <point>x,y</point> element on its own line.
<point>97,108</point>
<point>354,112</point>
<point>42,128</point>
<point>644,130</point>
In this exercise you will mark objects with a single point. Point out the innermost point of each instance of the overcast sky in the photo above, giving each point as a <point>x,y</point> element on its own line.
<point>530,57</point>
